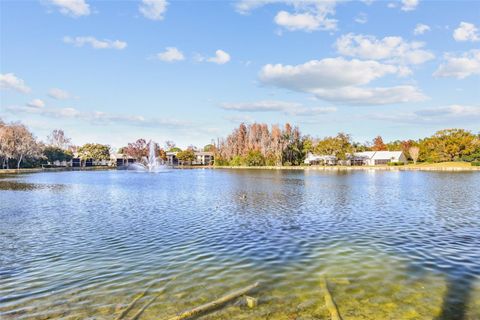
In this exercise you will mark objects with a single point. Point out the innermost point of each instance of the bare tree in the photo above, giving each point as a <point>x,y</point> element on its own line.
<point>414,153</point>
<point>58,139</point>
<point>18,143</point>
<point>169,145</point>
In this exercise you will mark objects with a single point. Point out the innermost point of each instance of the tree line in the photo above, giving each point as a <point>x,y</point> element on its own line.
<point>256,144</point>
<point>20,148</point>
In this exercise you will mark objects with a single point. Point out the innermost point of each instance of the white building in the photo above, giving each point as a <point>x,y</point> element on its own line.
<point>312,159</point>
<point>202,158</point>
<point>373,158</point>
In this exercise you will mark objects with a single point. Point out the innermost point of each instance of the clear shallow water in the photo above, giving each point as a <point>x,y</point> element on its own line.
<point>393,245</point>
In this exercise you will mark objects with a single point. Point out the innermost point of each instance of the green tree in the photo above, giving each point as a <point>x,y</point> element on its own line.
<point>186,156</point>
<point>254,158</point>
<point>338,146</point>
<point>209,148</point>
<point>94,151</point>
<point>448,145</point>
<point>308,145</point>
<point>53,153</point>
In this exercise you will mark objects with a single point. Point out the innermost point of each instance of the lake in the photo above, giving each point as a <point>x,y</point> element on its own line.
<point>391,245</point>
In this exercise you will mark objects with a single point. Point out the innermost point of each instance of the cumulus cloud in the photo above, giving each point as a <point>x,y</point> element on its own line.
<point>36,103</point>
<point>58,94</point>
<point>153,9</point>
<point>171,54</point>
<point>466,32</point>
<point>390,49</point>
<point>289,108</point>
<point>421,28</point>
<point>221,57</point>
<point>307,15</point>
<point>96,117</point>
<point>95,43</point>
<point>442,114</point>
<point>12,82</point>
<point>340,80</point>
<point>74,8</point>
<point>460,66</point>
<point>409,5</point>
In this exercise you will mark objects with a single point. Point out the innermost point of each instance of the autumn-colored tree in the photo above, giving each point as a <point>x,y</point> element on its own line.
<point>137,149</point>
<point>414,153</point>
<point>378,144</point>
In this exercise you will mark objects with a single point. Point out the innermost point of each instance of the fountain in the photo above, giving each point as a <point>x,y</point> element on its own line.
<point>150,163</point>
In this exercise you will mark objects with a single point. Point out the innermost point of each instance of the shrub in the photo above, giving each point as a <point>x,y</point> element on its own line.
<point>476,163</point>
<point>255,158</point>
<point>394,164</point>
<point>237,161</point>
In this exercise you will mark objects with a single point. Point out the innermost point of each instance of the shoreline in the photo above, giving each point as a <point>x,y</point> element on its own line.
<point>59,169</point>
<point>343,168</point>
<point>298,168</point>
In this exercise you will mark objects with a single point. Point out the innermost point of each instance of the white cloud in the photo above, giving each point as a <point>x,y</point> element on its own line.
<point>153,9</point>
<point>454,110</point>
<point>442,114</point>
<point>239,118</point>
<point>308,15</point>
<point>371,96</point>
<point>421,28</point>
<point>466,32</point>
<point>36,103</point>
<point>95,43</point>
<point>289,108</point>
<point>96,117</point>
<point>390,49</point>
<point>171,54</point>
<point>340,80</point>
<point>297,21</point>
<point>74,8</point>
<point>361,18</point>
<point>409,5</point>
<point>11,81</point>
<point>460,66</point>
<point>221,57</point>
<point>58,94</point>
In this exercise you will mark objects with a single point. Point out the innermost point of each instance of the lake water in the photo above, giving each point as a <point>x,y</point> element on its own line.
<point>392,245</point>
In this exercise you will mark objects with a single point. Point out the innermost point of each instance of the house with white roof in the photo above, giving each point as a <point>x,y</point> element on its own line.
<point>313,159</point>
<point>373,158</point>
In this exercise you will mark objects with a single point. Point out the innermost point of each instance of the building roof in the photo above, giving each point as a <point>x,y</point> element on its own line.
<point>313,157</point>
<point>379,155</point>
<point>204,153</point>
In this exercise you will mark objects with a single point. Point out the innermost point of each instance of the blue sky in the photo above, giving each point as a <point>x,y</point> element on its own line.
<point>190,71</point>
